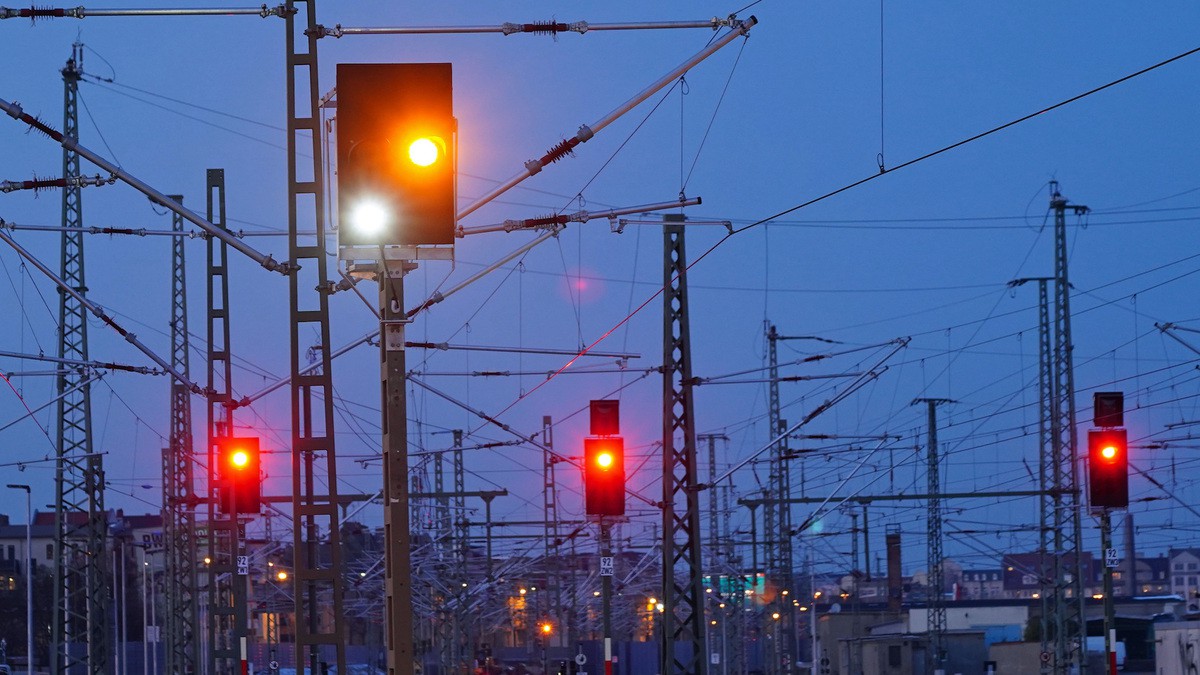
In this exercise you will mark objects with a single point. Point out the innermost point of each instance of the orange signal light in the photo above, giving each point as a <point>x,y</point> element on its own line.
<point>547,628</point>
<point>425,151</point>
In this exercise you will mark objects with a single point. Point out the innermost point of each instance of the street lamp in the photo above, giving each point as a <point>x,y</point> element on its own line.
<point>28,574</point>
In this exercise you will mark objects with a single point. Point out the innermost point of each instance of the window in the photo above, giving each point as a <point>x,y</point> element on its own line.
<point>1178,567</point>
<point>12,552</point>
<point>894,656</point>
<point>1178,581</point>
<point>49,552</point>
<point>1191,581</point>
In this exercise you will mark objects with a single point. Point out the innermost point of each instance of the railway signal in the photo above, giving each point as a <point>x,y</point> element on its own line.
<point>239,462</point>
<point>395,154</point>
<point>604,475</point>
<point>1108,468</point>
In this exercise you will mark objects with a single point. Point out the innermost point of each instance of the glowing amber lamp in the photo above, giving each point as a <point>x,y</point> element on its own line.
<point>424,151</point>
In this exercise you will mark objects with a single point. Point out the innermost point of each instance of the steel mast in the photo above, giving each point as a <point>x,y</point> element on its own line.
<point>81,598</point>
<point>777,516</point>
<point>179,498</point>
<point>1070,629</point>
<point>316,526</point>
<point>683,587</point>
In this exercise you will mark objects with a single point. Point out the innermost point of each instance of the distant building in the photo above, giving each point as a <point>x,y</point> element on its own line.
<point>1185,575</point>
<point>981,584</point>
<point>1023,573</point>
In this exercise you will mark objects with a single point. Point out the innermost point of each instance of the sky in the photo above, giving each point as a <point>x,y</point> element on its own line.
<point>817,98</point>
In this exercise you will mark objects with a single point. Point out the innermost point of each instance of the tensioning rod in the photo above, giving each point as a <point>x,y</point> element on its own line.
<point>14,111</point>
<point>99,314</point>
<point>586,132</point>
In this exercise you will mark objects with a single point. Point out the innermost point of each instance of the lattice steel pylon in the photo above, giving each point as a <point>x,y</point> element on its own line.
<point>683,581</point>
<point>179,497</point>
<point>319,578</point>
<point>1070,627</point>
<point>934,603</point>
<point>81,598</point>
<point>552,537</point>
<point>1048,501</point>
<point>777,519</point>
<point>226,621</point>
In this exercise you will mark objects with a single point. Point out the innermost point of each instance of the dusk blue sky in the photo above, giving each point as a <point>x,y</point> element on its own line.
<point>808,104</point>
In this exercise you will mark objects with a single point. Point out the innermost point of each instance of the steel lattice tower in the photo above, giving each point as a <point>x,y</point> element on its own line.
<point>463,619</point>
<point>552,538</point>
<point>81,598</point>
<point>179,498</point>
<point>777,516</point>
<point>226,625</point>
<point>934,603</point>
<point>1047,500</point>
<point>1070,629</point>
<point>683,582</point>
<point>316,527</point>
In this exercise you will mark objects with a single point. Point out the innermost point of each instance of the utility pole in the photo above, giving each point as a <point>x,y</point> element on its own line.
<point>935,604</point>
<point>683,587</point>
<point>179,496</point>
<point>81,599</point>
<point>316,526</point>
<point>1069,618</point>
<point>398,548</point>
<point>1110,624</point>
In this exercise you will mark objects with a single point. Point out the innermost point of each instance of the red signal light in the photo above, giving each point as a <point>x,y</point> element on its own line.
<point>1108,468</point>
<point>604,475</point>
<point>240,487</point>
